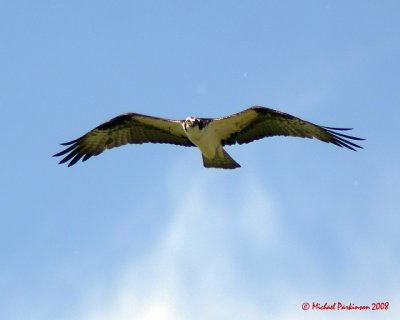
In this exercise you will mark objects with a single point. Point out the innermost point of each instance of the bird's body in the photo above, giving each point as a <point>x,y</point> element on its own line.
<point>209,135</point>
<point>203,133</point>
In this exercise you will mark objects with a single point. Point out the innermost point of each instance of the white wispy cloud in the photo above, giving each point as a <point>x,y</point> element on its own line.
<point>198,269</point>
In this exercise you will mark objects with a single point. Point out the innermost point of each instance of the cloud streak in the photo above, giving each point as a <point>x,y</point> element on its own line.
<point>220,261</point>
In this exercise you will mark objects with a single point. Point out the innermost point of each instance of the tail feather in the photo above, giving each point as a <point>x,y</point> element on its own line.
<point>223,161</point>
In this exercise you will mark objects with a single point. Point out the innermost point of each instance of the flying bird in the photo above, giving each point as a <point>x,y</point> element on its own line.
<point>210,135</point>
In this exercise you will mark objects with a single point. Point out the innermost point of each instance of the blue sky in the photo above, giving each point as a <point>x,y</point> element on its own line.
<point>145,232</point>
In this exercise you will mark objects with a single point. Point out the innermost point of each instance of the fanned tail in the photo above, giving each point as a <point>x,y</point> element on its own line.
<point>222,161</point>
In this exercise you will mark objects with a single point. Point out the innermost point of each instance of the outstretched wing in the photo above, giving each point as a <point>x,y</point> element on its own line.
<point>121,130</point>
<point>259,122</point>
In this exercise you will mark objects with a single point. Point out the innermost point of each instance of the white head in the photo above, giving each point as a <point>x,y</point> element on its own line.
<point>191,122</point>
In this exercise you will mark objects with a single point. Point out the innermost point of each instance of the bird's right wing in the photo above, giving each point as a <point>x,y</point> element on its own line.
<point>124,129</point>
<point>259,122</point>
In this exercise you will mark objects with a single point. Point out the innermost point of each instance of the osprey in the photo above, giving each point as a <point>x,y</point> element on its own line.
<point>209,135</point>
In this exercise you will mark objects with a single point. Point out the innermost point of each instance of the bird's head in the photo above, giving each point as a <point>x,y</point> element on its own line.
<point>192,122</point>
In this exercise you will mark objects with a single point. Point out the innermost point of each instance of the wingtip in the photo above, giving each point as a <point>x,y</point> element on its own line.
<point>69,142</point>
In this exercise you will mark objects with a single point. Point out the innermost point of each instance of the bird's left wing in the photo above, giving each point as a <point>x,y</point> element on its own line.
<point>124,129</point>
<point>259,122</point>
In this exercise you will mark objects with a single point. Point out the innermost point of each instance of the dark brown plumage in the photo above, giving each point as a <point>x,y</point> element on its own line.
<point>266,122</point>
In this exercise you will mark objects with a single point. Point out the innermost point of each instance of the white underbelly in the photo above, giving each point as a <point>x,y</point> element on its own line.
<point>205,140</point>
